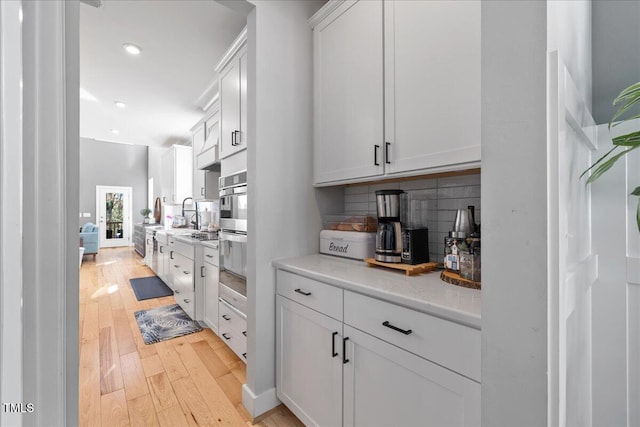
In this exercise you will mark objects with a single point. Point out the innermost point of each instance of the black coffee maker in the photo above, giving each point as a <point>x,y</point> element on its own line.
<point>389,237</point>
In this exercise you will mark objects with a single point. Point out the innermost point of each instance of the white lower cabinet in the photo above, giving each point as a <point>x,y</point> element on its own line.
<point>372,372</point>
<point>211,277</point>
<point>232,328</point>
<point>183,288</point>
<point>387,386</point>
<point>309,363</point>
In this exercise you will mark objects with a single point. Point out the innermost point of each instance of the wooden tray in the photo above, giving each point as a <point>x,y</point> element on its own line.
<point>455,279</point>
<point>410,270</point>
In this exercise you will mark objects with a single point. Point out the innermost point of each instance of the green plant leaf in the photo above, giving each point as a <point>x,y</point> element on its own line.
<point>602,168</point>
<point>636,192</point>
<point>630,102</point>
<point>634,88</point>
<point>628,140</point>
<point>598,162</point>
<point>638,214</point>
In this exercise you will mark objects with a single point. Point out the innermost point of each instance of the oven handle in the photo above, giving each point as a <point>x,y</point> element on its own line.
<point>232,237</point>
<point>232,308</point>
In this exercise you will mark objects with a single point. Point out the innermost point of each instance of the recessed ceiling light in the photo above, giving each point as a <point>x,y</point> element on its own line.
<point>132,48</point>
<point>120,104</point>
<point>115,131</point>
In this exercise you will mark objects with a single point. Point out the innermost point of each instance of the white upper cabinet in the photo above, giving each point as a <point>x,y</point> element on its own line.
<point>432,85</point>
<point>232,71</point>
<point>197,143</point>
<point>177,175</point>
<point>348,93</point>
<point>397,89</point>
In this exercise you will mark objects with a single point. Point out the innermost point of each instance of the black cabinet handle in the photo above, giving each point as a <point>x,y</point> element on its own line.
<point>302,292</point>
<point>209,256</point>
<point>375,155</point>
<point>186,300</point>
<point>186,272</point>
<point>344,350</point>
<point>170,254</point>
<point>233,138</point>
<point>386,152</point>
<point>161,249</point>
<point>176,266</point>
<point>244,333</point>
<point>237,133</point>
<point>225,317</point>
<point>333,344</point>
<point>202,271</point>
<point>395,328</point>
<point>244,355</point>
<point>225,336</point>
<point>176,291</point>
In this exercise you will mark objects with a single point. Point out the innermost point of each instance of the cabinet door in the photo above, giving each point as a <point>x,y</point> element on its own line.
<point>168,172</point>
<point>211,279</point>
<point>162,254</point>
<point>183,283</point>
<point>432,85</point>
<point>385,385</point>
<point>308,371</point>
<point>348,93</point>
<point>198,145</point>
<point>183,172</point>
<point>229,108</point>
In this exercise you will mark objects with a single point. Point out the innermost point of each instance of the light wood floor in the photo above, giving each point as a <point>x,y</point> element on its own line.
<point>193,380</point>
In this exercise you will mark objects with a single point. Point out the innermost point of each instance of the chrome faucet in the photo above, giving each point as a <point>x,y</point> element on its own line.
<point>196,224</point>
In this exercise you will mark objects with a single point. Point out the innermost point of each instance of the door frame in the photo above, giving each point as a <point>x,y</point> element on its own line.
<point>127,226</point>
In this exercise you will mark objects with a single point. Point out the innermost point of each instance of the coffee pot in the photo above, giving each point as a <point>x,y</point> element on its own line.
<point>389,236</point>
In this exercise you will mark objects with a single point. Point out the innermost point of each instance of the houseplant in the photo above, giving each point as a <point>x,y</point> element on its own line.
<point>145,213</point>
<point>623,144</point>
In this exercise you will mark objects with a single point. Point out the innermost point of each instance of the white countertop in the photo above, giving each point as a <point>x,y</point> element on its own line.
<point>424,292</point>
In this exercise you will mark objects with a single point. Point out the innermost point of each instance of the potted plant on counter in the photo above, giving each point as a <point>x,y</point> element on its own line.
<point>623,144</point>
<point>145,213</point>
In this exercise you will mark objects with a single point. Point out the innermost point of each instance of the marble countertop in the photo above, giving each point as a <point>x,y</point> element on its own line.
<point>424,292</point>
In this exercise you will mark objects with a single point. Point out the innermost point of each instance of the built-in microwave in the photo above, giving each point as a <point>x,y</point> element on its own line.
<point>233,202</point>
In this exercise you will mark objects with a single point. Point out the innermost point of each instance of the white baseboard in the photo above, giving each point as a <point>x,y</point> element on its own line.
<point>258,405</point>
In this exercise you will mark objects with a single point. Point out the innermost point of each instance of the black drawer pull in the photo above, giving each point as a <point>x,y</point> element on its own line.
<point>209,256</point>
<point>225,317</point>
<point>395,328</point>
<point>225,336</point>
<point>375,155</point>
<point>333,344</point>
<point>186,272</point>
<point>302,292</point>
<point>344,350</point>
<point>176,291</point>
<point>244,333</point>
<point>244,355</point>
<point>386,152</point>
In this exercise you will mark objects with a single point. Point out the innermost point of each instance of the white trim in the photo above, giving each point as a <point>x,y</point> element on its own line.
<point>325,11</point>
<point>237,44</point>
<point>11,144</point>
<point>258,405</point>
<point>209,95</point>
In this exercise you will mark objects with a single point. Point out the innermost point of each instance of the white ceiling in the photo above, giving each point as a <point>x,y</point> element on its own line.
<point>181,43</point>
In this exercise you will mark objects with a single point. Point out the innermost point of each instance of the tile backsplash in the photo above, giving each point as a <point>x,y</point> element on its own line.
<point>444,196</point>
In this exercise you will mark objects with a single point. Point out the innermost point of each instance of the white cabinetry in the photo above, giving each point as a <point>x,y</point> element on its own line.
<point>232,327</point>
<point>381,365</point>
<point>182,277</point>
<point>211,279</point>
<point>177,176</point>
<point>412,69</point>
<point>197,143</point>
<point>163,256</point>
<point>205,143</point>
<point>232,70</point>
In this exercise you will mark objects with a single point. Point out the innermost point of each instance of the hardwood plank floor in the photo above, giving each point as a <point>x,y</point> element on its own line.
<point>194,380</point>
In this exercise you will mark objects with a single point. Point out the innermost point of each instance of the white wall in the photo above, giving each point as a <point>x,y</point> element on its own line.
<point>284,218</point>
<point>514,212</point>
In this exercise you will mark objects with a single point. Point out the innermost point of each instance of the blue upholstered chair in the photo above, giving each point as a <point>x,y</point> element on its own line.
<point>89,236</point>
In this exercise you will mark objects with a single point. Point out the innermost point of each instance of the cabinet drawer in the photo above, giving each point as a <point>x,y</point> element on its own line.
<point>229,320</point>
<point>446,343</point>
<point>186,300</point>
<point>210,255</point>
<point>184,249</point>
<point>319,296</point>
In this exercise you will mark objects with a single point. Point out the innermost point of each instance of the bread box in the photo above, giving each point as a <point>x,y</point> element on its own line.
<point>348,244</point>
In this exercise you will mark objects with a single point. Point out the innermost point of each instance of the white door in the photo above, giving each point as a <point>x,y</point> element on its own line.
<point>309,363</point>
<point>430,395</point>
<point>572,263</point>
<point>113,209</point>
<point>348,93</point>
<point>229,108</point>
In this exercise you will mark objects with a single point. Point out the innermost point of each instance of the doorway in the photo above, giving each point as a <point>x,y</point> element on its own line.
<point>113,210</point>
